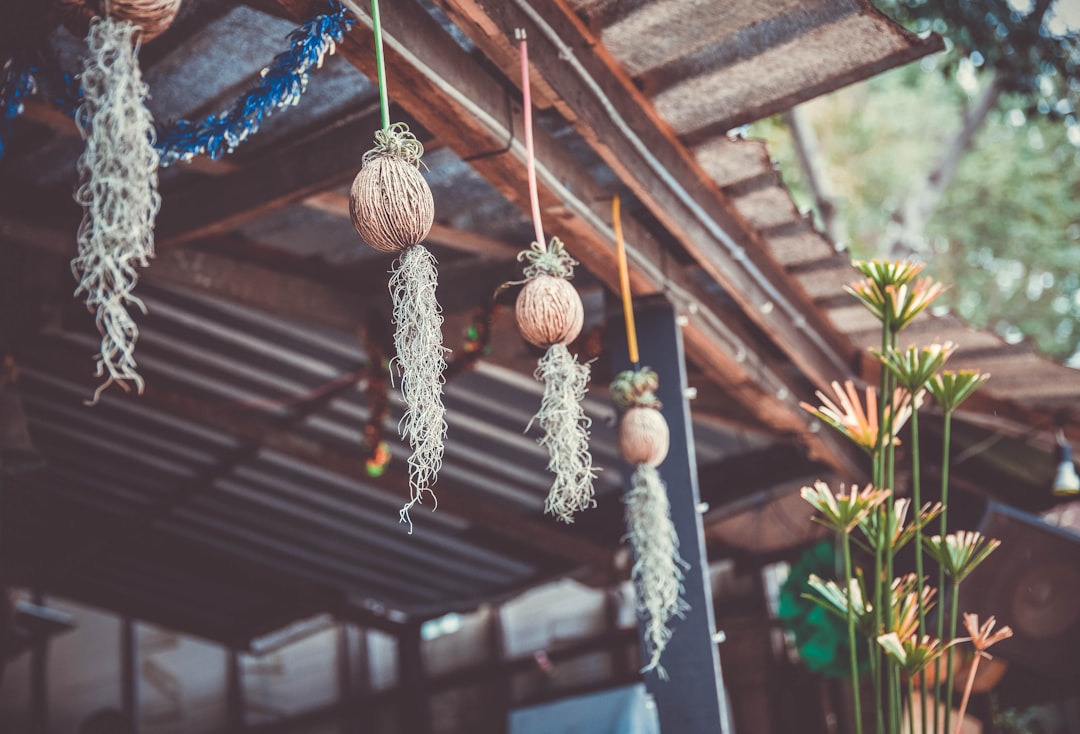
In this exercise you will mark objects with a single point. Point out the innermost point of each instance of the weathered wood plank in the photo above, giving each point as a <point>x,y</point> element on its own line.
<point>624,129</point>
<point>465,107</point>
<point>274,180</point>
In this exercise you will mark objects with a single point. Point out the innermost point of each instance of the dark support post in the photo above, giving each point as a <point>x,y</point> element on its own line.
<point>693,700</point>
<point>234,692</point>
<point>129,701</point>
<point>622,658</point>
<point>413,685</point>
<point>504,684</point>
<point>346,693</point>
<point>39,679</point>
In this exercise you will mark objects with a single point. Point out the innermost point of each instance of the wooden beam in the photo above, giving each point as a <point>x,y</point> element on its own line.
<point>295,288</point>
<point>51,117</point>
<point>459,101</point>
<point>473,243</point>
<point>735,478</point>
<point>275,179</point>
<point>622,126</point>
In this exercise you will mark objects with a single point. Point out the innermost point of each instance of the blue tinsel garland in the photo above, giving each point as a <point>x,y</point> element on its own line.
<point>281,85</point>
<point>15,85</point>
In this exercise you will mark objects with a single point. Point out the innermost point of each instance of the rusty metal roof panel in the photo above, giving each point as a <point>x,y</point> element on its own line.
<point>710,67</point>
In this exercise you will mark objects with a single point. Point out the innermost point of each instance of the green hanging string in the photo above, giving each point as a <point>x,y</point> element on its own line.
<point>380,66</point>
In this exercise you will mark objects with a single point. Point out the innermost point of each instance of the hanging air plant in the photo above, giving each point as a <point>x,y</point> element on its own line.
<point>392,210</point>
<point>550,315</point>
<point>644,440</point>
<point>153,17</point>
<point>118,180</point>
<point>658,569</point>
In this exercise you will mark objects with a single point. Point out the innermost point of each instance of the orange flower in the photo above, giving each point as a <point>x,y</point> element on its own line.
<point>983,637</point>
<point>895,303</point>
<point>859,423</point>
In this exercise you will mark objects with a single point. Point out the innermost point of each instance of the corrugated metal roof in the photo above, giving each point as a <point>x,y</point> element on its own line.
<point>232,497</point>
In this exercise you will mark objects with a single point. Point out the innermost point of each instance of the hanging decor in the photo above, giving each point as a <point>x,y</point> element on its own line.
<point>16,84</point>
<point>550,316</point>
<point>153,17</point>
<point>280,86</point>
<point>393,211</point>
<point>118,183</point>
<point>643,441</point>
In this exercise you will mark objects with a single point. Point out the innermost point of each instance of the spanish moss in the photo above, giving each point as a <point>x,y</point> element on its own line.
<point>658,569</point>
<point>420,362</point>
<point>566,432</point>
<point>118,192</point>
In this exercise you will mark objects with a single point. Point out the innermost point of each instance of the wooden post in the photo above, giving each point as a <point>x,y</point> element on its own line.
<point>693,700</point>
<point>503,687</point>
<point>413,686</point>
<point>39,678</point>
<point>346,690</point>
<point>234,692</point>
<point>129,694</point>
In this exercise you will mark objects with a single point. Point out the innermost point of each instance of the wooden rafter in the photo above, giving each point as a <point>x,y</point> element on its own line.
<point>460,102</point>
<point>210,206</point>
<point>624,129</point>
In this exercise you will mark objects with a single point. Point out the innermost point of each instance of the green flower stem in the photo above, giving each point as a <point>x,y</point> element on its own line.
<point>845,540</point>
<point>953,614</point>
<point>875,675</point>
<point>881,662</point>
<point>896,701</point>
<point>895,713</point>
<point>875,649</point>
<point>941,569</point>
<point>911,707</point>
<point>916,498</point>
<point>380,65</point>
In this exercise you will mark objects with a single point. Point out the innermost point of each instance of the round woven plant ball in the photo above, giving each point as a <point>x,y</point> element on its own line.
<point>391,204</point>
<point>153,16</point>
<point>549,311</point>
<point>643,436</point>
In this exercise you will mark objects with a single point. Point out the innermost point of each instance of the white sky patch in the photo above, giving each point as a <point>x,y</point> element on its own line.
<point>1063,16</point>
<point>965,76</point>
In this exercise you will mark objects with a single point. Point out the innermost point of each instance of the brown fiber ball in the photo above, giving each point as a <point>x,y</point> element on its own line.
<point>153,16</point>
<point>391,204</point>
<point>549,311</point>
<point>643,436</point>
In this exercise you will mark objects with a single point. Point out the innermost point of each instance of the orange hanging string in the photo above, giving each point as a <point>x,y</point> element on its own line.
<point>530,156</point>
<point>624,286</point>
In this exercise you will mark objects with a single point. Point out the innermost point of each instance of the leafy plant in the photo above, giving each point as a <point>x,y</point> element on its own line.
<point>890,614</point>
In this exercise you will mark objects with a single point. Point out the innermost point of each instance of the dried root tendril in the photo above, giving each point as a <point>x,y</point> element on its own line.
<point>658,568</point>
<point>566,432</point>
<point>397,141</point>
<point>420,361</point>
<point>550,260</point>
<point>118,191</point>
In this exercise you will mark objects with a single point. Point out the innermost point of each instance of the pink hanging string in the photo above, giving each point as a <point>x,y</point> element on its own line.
<point>530,156</point>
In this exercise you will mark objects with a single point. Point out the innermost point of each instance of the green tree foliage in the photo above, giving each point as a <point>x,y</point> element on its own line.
<point>1006,231</point>
<point>1023,41</point>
